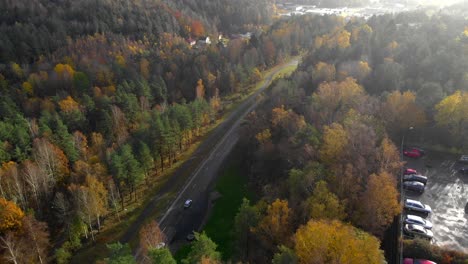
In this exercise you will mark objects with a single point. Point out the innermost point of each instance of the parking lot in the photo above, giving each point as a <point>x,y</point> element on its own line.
<point>447,193</point>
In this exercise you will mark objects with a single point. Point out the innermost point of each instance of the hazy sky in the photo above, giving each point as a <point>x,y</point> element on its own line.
<point>439,2</point>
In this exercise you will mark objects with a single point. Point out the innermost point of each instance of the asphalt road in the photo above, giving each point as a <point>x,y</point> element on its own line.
<point>194,177</point>
<point>447,194</point>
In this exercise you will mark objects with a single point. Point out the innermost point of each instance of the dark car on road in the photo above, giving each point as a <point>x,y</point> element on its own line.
<point>463,159</point>
<point>417,220</point>
<point>417,206</point>
<point>412,230</point>
<point>414,186</point>
<point>415,177</point>
<point>463,170</point>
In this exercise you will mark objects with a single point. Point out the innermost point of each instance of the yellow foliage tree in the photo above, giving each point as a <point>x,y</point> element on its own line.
<point>380,203</point>
<point>335,139</point>
<point>323,204</point>
<point>322,242</point>
<point>64,71</point>
<point>28,88</point>
<point>275,227</point>
<point>333,100</point>
<point>452,111</point>
<point>120,60</point>
<point>323,72</point>
<point>69,105</point>
<point>10,216</point>
<point>17,70</point>
<point>200,89</point>
<point>389,157</point>
<point>263,136</point>
<point>400,112</point>
<point>144,68</point>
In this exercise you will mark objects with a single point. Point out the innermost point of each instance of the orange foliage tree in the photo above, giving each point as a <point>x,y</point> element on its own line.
<point>10,216</point>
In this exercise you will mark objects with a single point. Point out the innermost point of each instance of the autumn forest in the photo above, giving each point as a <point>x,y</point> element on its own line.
<point>100,100</point>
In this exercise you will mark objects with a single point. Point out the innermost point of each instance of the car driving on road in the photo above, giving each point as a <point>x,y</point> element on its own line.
<point>415,177</point>
<point>463,170</point>
<point>463,159</point>
<point>414,186</point>
<point>413,230</point>
<point>188,203</point>
<point>417,220</point>
<point>417,206</point>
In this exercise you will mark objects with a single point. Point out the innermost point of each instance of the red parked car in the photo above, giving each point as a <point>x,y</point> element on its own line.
<point>413,153</point>
<point>417,261</point>
<point>409,171</point>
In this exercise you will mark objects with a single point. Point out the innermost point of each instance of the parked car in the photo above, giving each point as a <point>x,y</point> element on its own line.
<point>463,170</point>
<point>422,151</point>
<point>414,186</point>
<point>417,220</point>
<point>409,171</point>
<point>417,261</point>
<point>188,203</point>
<point>415,177</point>
<point>413,230</point>
<point>417,206</point>
<point>463,159</point>
<point>413,153</point>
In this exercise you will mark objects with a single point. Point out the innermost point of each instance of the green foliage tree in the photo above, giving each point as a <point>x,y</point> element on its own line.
<point>246,219</point>
<point>145,158</point>
<point>202,247</point>
<point>323,204</point>
<point>285,256</point>
<point>120,254</point>
<point>161,255</point>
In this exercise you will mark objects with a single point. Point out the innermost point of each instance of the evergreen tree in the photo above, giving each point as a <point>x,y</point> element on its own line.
<point>202,247</point>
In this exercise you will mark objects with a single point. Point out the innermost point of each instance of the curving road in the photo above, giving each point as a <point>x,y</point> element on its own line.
<point>200,171</point>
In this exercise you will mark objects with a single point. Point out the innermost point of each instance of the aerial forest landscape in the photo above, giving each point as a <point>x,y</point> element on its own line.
<point>233,131</point>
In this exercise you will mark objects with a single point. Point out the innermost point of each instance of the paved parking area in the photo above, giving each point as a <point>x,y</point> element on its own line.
<point>447,193</point>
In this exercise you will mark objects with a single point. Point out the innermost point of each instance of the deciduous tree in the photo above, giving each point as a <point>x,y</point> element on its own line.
<point>335,140</point>
<point>379,203</point>
<point>151,236</point>
<point>323,241</point>
<point>323,204</point>
<point>275,227</point>
<point>451,113</point>
<point>400,111</point>
<point>10,216</point>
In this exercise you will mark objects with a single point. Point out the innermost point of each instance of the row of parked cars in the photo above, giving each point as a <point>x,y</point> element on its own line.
<point>415,223</point>
<point>414,181</point>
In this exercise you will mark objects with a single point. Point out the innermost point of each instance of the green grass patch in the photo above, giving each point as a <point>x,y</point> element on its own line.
<point>232,185</point>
